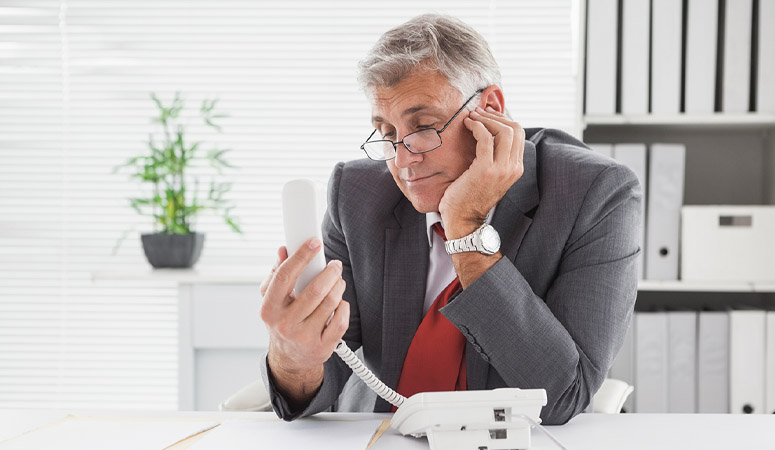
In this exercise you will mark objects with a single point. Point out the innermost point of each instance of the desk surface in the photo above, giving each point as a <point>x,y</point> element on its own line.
<point>587,431</point>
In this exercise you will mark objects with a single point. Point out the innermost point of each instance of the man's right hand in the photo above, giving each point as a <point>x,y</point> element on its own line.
<point>300,340</point>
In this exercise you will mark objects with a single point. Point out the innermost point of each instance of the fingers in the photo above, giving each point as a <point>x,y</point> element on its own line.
<point>518,144</point>
<point>314,304</point>
<point>508,136</point>
<point>297,324</point>
<point>338,325</point>
<point>327,305</point>
<point>317,291</point>
<point>281,284</point>
<point>282,255</point>
<point>484,139</point>
<point>518,147</point>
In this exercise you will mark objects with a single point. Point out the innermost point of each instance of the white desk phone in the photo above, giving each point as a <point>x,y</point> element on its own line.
<point>478,420</point>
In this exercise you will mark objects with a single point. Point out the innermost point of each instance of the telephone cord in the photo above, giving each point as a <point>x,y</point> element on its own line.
<point>535,423</point>
<point>363,372</point>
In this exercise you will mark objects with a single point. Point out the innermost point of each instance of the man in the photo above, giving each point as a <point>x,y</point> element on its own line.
<point>547,308</point>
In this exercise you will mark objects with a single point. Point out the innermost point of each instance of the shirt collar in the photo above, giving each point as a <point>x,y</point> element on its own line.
<point>434,217</point>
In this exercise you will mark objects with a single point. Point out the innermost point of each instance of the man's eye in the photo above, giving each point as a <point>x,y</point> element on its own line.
<point>423,127</point>
<point>389,135</point>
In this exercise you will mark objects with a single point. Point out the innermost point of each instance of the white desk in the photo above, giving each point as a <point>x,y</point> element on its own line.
<point>585,432</point>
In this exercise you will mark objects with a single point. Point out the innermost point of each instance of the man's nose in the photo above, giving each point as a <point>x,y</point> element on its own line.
<point>405,158</point>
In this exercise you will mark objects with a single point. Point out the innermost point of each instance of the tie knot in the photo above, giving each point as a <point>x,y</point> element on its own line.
<point>438,229</point>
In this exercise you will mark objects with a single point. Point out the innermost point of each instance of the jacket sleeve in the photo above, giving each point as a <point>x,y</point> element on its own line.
<point>336,372</point>
<point>566,342</point>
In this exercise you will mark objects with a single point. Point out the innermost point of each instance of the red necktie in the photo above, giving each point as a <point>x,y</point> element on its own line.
<point>435,360</point>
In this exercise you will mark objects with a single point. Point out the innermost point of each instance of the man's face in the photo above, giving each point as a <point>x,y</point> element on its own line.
<point>424,100</point>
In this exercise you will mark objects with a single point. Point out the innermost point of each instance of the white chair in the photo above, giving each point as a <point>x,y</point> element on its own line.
<point>609,399</point>
<point>252,397</point>
<point>611,396</point>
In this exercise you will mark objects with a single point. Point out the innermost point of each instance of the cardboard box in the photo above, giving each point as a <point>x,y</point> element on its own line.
<point>728,243</point>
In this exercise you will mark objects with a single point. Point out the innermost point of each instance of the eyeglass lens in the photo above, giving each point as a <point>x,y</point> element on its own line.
<point>417,142</point>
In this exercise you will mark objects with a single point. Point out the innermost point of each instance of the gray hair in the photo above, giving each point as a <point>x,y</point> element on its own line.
<point>434,42</point>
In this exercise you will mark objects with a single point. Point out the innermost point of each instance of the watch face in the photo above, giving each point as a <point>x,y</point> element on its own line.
<point>491,240</point>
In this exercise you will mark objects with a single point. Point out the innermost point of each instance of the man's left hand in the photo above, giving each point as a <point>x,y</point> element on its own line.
<point>500,145</point>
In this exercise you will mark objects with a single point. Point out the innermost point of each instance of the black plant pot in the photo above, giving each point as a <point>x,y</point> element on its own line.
<point>172,250</point>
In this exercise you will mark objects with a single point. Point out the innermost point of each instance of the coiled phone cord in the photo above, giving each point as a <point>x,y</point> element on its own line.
<point>363,372</point>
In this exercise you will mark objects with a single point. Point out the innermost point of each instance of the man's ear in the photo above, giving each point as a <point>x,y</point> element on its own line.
<point>492,96</point>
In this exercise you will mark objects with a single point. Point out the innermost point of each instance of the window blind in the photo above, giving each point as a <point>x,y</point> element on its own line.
<point>75,83</point>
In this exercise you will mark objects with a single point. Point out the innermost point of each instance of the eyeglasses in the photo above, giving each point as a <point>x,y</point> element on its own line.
<point>421,141</point>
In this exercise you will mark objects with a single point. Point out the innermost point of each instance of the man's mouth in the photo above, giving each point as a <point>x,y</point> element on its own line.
<point>415,181</point>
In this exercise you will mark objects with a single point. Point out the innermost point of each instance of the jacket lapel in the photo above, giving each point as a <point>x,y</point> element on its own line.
<point>406,269</point>
<point>512,219</point>
<point>514,213</point>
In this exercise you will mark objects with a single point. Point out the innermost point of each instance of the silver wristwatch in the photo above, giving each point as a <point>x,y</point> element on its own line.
<point>484,239</point>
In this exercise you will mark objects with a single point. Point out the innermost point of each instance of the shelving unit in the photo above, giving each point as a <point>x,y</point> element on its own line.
<point>697,286</point>
<point>730,159</point>
<point>714,360</point>
<point>755,120</point>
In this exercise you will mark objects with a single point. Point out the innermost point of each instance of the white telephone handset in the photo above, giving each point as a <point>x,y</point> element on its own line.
<point>499,418</point>
<point>304,202</point>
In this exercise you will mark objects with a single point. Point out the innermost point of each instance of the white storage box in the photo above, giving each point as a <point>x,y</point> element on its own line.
<point>728,243</point>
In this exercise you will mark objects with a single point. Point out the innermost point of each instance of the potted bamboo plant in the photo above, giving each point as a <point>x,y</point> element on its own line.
<point>174,197</point>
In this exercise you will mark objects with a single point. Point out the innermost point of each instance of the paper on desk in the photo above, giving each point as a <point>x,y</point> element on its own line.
<point>14,423</point>
<point>115,434</point>
<point>300,434</point>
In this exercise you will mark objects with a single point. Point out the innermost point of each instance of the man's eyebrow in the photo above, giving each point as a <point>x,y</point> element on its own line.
<point>408,112</point>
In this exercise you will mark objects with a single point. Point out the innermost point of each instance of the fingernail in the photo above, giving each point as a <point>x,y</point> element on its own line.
<point>479,108</point>
<point>335,263</point>
<point>314,243</point>
<point>490,108</point>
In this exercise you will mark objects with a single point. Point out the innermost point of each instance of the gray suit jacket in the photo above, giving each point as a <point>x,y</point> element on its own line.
<point>552,313</point>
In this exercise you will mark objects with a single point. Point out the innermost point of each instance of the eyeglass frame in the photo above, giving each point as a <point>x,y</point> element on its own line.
<point>438,133</point>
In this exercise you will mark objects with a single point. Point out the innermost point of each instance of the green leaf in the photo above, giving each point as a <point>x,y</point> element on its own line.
<point>177,228</point>
<point>161,220</point>
<point>192,149</point>
<point>217,191</point>
<point>224,163</point>
<point>234,226</point>
<point>177,106</point>
<point>194,209</point>
<point>215,156</point>
<point>157,101</point>
<point>213,125</point>
<point>129,162</point>
<point>208,105</point>
<point>135,204</point>
<point>121,240</point>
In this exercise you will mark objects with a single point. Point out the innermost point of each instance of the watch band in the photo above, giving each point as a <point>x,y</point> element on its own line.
<point>465,243</point>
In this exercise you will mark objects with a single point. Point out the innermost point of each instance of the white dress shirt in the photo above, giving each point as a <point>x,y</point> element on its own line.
<point>441,271</point>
